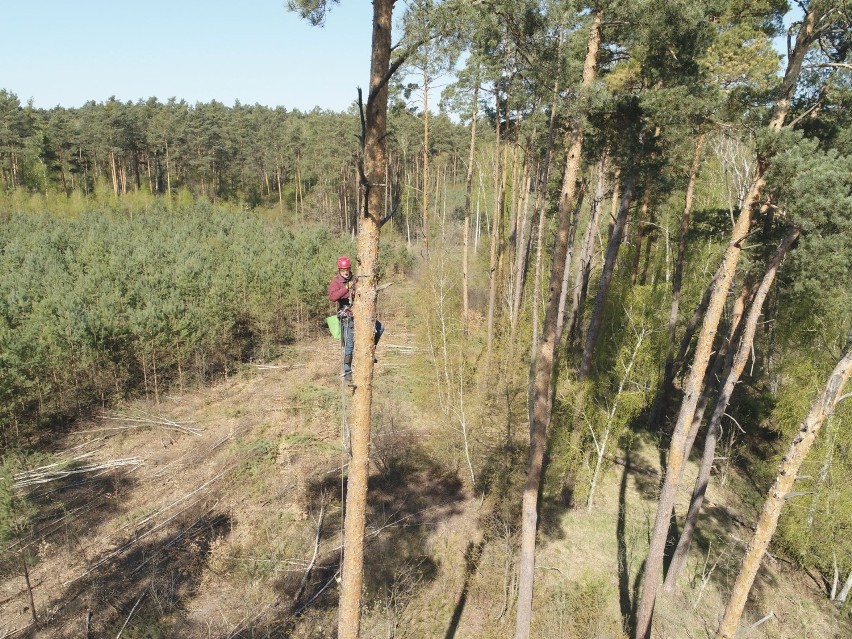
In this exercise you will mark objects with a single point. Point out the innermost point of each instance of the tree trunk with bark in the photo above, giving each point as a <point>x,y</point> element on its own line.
<point>569,260</point>
<point>495,223</point>
<point>714,428</point>
<point>468,190</point>
<point>584,263</point>
<point>640,235</point>
<point>692,391</point>
<point>541,405</point>
<point>364,310</point>
<point>541,201</point>
<point>426,158</point>
<point>843,595</point>
<point>661,408</point>
<point>787,472</point>
<point>522,252</point>
<point>606,277</point>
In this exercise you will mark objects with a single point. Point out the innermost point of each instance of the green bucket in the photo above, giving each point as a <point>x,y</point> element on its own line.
<point>333,326</point>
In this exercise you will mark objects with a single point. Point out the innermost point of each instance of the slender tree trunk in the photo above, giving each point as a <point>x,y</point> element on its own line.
<point>722,362</point>
<point>569,260</point>
<point>522,257</point>
<point>606,276</point>
<point>29,586</point>
<point>692,391</point>
<point>536,291</point>
<point>640,235</point>
<point>495,222</point>
<point>542,403</point>
<point>714,428</point>
<point>787,472</point>
<point>613,209</point>
<point>584,264</point>
<point>600,446</point>
<point>660,410</point>
<point>113,172</point>
<point>468,190</point>
<point>426,158</point>
<point>844,592</point>
<point>364,310</point>
<point>280,190</point>
<point>168,172</point>
<point>541,200</point>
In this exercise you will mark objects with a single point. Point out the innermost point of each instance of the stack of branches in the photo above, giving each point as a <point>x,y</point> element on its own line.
<point>69,467</point>
<point>141,419</point>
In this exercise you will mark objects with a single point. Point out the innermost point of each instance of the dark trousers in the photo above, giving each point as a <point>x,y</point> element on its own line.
<point>347,336</point>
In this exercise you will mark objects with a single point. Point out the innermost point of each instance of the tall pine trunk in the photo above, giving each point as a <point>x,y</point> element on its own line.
<point>542,401</point>
<point>541,202</point>
<point>364,310</point>
<point>426,159</point>
<point>495,223</point>
<point>606,277</point>
<point>640,235</point>
<point>468,189</point>
<point>714,428</point>
<point>692,391</point>
<point>584,263</point>
<point>661,406</point>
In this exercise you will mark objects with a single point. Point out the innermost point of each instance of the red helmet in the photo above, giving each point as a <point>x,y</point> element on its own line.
<point>343,262</point>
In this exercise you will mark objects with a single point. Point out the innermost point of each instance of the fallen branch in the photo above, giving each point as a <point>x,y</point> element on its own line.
<point>52,472</point>
<point>313,561</point>
<point>762,621</point>
<point>147,419</point>
<point>175,539</point>
<point>270,367</point>
<point>132,610</point>
<point>334,577</point>
<point>126,546</point>
<point>14,632</point>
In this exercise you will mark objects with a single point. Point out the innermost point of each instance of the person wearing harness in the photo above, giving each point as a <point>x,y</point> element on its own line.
<point>341,289</point>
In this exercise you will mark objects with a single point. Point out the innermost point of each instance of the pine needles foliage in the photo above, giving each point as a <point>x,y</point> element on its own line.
<point>106,303</point>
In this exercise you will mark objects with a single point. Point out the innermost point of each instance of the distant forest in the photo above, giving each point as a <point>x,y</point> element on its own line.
<point>256,155</point>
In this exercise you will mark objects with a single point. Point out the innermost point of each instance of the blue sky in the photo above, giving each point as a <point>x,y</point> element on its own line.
<point>70,51</point>
<point>256,51</point>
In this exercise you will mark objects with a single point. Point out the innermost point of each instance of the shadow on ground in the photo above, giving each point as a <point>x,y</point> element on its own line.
<point>410,495</point>
<point>143,580</point>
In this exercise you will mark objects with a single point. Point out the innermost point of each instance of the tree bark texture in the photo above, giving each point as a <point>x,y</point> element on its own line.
<point>722,362</point>
<point>714,428</point>
<point>677,283</point>
<point>522,252</point>
<point>606,277</point>
<point>540,207</point>
<point>426,158</point>
<point>692,391</point>
<point>364,310</point>
<point>569,259</point>
<point>541,412</point>
<point>467,207</point>
<point>495,222</point>
<point>787,471</point>
<point>640,235</point>
<point>584,263</point>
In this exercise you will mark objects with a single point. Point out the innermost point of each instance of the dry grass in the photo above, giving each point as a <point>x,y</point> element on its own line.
<point>211,536</point>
